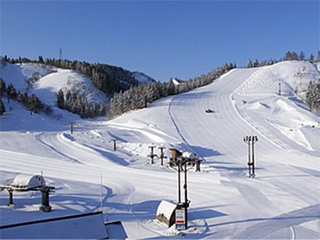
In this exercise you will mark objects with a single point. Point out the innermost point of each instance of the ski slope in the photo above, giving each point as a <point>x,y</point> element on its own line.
<point>282,201</point>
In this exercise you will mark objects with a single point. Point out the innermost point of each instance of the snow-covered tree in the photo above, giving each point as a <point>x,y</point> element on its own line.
<point>60,99</point>
<point>313,96</point>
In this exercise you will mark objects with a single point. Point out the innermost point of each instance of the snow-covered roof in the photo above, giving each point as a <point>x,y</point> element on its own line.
<point>28,181</point>
<point>85,226</point>
<point>166,208</point>
<point>190,155</point>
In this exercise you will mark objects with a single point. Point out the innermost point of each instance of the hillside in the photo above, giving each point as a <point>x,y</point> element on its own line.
<point>82,85</point>
<point>281,202</point>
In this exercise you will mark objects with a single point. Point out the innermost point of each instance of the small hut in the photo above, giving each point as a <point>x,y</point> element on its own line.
<point>166,213</point>
<point>175,153</point>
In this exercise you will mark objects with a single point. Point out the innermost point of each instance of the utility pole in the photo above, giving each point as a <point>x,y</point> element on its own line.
<point>186,201</point>
<point>181,164</point>
<point>251,140</point>
<point>162,154</point>
<point>60,54</point>
<point>152,155</point>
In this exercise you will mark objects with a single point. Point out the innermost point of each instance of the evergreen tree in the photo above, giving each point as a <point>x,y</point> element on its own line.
<point>301,56</point>
<point>291,56</point>
<point>40,59</point>
<point>2,107</point>
<point>311,58</point>
<point>34,104</point>
<point>11,92</point>
<point>60,99</point>
<point>23,99</point>
<point>2,87</point>
<point>313,96</point>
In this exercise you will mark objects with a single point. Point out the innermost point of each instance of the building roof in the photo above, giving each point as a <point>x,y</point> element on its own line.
<point>83,226</point>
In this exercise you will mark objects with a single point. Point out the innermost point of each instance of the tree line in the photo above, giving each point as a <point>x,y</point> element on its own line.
<point>79,105</point>
<point>106,78</point>
<point>31,103</point>
<point>289,56</point>
<point>140,96</point>
<point>127,94</point>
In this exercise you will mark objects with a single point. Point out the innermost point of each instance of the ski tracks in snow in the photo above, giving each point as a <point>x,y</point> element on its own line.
<point>54,143</point>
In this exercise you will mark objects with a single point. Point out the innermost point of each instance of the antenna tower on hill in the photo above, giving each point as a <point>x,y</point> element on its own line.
<point>60,55</point>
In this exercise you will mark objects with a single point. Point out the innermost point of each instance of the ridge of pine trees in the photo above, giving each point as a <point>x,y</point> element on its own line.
<point>289,56</point>
<point>106,78</point>
<point>138,97</point>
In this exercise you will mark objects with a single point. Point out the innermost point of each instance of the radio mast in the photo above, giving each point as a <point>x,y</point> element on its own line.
<point>60,55</point>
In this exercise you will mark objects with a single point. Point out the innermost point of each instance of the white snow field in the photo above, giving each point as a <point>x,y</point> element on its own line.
<point>281,202</point>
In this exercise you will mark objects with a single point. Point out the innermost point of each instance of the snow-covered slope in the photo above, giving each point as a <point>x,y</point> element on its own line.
<point>281,202</point>
<point>290,79</point>
<point>45,82</point>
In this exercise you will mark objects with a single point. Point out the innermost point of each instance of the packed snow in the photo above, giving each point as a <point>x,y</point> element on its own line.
<point>282,201</point>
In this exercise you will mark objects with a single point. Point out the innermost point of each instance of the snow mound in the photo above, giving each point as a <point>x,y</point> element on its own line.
<point>287,77</point>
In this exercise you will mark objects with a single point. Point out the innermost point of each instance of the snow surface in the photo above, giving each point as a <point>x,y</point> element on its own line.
<point>281,202</point>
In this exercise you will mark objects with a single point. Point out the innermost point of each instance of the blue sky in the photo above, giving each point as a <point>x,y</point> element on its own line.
<point>164,39</point>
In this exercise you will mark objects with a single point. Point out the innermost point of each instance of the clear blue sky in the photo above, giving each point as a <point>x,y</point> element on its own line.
<point>163,39</point>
